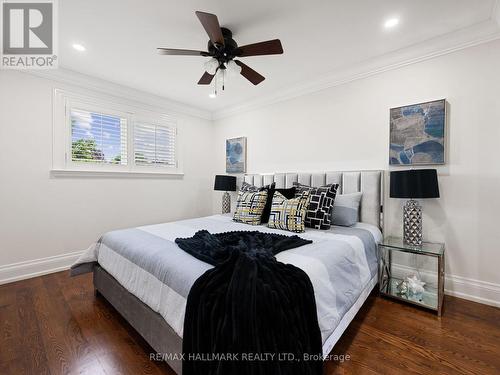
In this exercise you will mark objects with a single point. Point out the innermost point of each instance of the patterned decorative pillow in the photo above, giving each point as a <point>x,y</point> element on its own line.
<point>246,187</point>
<point>249,207</point>
<point>289,214</point>
<point>319,211</point>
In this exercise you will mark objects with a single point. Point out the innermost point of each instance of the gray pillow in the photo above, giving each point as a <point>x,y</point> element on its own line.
<point>346,209</point>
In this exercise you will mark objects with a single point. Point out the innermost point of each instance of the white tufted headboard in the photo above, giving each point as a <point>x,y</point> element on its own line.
<point>370,183</point>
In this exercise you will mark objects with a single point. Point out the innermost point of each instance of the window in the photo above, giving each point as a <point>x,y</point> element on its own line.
<point>154,144</point>
<point>99,136</point>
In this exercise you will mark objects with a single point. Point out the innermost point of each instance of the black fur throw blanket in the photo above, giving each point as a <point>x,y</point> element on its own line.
<point>250,315</point>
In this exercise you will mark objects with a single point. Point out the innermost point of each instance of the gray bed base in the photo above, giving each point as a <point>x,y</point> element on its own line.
<point>148,323</point>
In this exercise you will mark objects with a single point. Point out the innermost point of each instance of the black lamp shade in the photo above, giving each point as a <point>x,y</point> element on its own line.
<point>414,183</point>
<point>225,183</point>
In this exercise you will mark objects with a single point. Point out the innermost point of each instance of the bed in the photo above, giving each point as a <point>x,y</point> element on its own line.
<point>147,277</point>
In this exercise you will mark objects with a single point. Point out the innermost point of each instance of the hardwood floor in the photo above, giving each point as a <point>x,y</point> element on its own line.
<point>55,325</point>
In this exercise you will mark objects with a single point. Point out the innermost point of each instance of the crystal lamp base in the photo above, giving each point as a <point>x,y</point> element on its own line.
<point>412,223</point>
<point>226,203</point>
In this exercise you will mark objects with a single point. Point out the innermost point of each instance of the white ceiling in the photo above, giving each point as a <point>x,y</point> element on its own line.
<point>318,36</point>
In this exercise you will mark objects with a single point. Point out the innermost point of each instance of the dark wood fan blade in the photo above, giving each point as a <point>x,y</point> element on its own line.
<point>249,73</point>
<point>181,52</point>
<point>270,47</point>
<point>211,25</point>
<point>206,79</point>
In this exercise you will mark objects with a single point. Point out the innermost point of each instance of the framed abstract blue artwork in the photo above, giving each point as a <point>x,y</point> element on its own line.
<point>417,134</point>
<point>236,155</point>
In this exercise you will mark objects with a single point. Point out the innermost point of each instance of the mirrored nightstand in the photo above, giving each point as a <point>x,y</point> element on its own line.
<point>431,297</point>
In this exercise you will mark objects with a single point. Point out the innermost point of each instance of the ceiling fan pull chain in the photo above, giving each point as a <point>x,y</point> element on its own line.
<point>215,84</point>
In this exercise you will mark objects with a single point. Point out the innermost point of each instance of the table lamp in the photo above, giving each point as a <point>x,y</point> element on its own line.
<point>413,184</point>
<point>225,183</point>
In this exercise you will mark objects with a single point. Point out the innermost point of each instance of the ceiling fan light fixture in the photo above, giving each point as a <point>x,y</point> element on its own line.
<point>233,68</point>
<point>211,66</point>
<point>212,95</point>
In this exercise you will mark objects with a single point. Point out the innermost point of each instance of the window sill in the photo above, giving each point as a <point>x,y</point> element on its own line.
<point>114,174</point>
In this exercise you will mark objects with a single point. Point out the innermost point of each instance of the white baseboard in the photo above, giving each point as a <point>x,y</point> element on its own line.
<point>474,290</point>
<point>458,286</point>
<point>38,267</point>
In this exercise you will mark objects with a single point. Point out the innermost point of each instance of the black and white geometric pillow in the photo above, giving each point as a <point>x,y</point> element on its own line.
<point>248,188</point>
<point>319,211</point>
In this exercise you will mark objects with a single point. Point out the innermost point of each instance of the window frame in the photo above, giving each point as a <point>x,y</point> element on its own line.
<point>63,164</point>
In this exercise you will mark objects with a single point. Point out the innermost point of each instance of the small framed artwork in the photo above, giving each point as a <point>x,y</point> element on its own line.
<point>236,155</point>
<point>417,134</point>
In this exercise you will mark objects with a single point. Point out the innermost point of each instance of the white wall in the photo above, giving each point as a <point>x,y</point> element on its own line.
<point>347,127</point>
<point>340,128</point>
<point>42,216</point>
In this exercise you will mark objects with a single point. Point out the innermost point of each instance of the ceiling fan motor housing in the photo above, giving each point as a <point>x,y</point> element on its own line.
<point>225,53</point>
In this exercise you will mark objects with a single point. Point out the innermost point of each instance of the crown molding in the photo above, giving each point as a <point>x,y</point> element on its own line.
<point>72,78</point>
<point>483,32</point>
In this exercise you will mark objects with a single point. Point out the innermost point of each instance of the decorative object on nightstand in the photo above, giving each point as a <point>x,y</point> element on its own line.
<point>411,285</point>
<point>409,288</point>
<point>411,184</point>
<point>225,183</point>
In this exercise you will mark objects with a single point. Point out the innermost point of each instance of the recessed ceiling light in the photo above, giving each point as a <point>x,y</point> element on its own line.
<point>79,47</point>
<point>390,23</point>
<point>212,95</point>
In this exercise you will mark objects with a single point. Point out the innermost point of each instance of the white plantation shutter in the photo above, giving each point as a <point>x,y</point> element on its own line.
<point>155,144</point>
<point>98,137</point>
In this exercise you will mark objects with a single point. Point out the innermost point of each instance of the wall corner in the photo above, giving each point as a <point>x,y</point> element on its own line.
<point>495,15</point>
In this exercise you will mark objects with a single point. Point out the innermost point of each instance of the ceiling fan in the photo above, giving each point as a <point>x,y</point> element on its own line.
<point>223,50</point>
